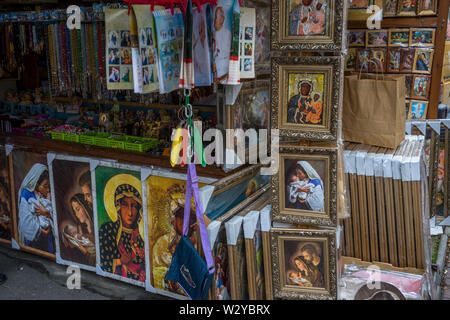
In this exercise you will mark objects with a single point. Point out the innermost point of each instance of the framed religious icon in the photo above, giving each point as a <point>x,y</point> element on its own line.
<point>362,60</point>
<point>422,37</point>
<point>393,60</point>
<point>304,264</point>
<point>389,8</point>
<point>6,217</point>
<point>306,185</point>
<point>350,60</point>
<point>120,222</point>
<point>407,60</point>
<point>308,25</point>
<point>377,38</point>
<point>407,7</point>
<point>423,61</point>
<point>417,110</point>
<point>35,230</point>
<point>377,60</point>
<point>71,188</point>
<point>420,87</point>
<point>305,96</point>
<point>399,37</point>
<point>408,84</point>
<point>356,38</point>
<point>359,9</point>
<point>427,7</point>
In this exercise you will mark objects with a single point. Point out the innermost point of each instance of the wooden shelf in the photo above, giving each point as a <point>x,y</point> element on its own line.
<point>123,156</point>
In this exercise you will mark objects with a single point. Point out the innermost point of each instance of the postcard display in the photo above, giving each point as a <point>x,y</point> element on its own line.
<point>306,105</point>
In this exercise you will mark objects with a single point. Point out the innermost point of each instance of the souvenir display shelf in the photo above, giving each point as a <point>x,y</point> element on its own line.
<point>439,22</point>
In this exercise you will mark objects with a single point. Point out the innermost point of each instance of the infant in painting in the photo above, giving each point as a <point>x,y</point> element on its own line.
<point>77,239</point>
<point>44,221</point>
<point>296,183</point>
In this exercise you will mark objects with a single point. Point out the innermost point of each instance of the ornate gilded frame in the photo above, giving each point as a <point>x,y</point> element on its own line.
<point>333,41</point>
<point>281,67</point>
<point>422,12</point>
<point>290,292</point>
<point>297,216</point>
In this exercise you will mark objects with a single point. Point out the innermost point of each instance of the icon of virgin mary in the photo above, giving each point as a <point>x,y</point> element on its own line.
<point>122,249</point>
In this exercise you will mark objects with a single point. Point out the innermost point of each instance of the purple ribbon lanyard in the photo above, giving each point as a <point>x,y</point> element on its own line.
<point>192,186</point>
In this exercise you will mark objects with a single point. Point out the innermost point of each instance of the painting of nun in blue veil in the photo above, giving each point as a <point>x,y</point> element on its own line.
<point>304,185</point>
<point>35,213</point>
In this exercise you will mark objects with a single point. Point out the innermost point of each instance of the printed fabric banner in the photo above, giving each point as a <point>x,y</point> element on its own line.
<point>222,27</point>
<point>169,33</point>
<point>234,74</point>
<point>202,58</point>
<point>118,50</point>
<point>247,43</point>
<point>147,48</point>
<point>187,67</point>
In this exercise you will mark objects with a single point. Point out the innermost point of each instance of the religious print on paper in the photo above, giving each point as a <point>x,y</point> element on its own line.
<point>118,50</point>
<point>202,58</point>
<point>222,38</point>
<point>247,43</point>
<point>120,224</point>
<point>147,48</point>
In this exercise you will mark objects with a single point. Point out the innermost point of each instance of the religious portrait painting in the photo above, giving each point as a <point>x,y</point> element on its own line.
<point>306,193</point>
<point>262,39</point>
<point>394,58</point>
<point>350,60</point>
<point>6,219</point>
<point>34,209</point>
<point>359,4</point>
<point>73,203</point>
<point>420,87</point>
<point>165,210</point>
<point>423,61</point>
<point>408,84</point>
<point>306,264</point>
<point>377,60</point>
<point>422,37</point>
<point>407,60</point>
<point>120,222</point>
<point>362,60</point>
<point>359,9</point>
<point>399,37</point>
<point>305,103</point>
<point>427,7</point>
<point>377,38</point>
<point>389,8</point>
<point>356,38</point>
<point>417,110</point>
<point>307,24</point>
<point>407,7</point>
<point>221,281</point>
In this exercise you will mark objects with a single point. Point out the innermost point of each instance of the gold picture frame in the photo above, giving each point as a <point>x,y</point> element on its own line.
<point>429,66</point>
<point>320,170</point>
<point>412,114</point>
<point>402,12</point>
<point>383,32</point>
<point>323,77</point>
<point>394,43</point>
<point>321,282</point>
<point>330,39</point>
<point>420,44</point>
<point>421,11</point>
<point>390,11</point>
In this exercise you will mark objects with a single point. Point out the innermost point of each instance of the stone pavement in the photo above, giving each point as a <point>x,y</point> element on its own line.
<point>32,277</point>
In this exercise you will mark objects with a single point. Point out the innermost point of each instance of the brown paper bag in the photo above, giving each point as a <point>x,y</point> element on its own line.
<point>374,109</point>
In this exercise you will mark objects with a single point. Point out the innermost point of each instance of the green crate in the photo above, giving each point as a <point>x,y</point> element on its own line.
<point>87,138</point>
<point>116,143</point>
<point>57,135</point>
<point>71,137</point>
<point>147,143</point>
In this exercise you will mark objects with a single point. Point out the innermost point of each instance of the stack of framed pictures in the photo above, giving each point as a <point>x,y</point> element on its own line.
<point>306,100</point>
<point>404,51</point>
